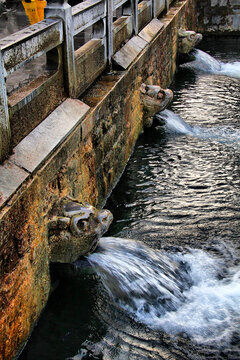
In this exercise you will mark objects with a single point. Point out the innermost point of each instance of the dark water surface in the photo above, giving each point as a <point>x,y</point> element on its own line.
<point>179,195</point>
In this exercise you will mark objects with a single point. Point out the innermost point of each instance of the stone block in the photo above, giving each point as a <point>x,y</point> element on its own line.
<point>11,177</point>
<point>87,126</point>
<point>36,147</point>
<point>149,32</point>
<point>129,52</point>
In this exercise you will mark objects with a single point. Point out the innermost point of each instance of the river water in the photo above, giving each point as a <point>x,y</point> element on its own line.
<point>174,291</point>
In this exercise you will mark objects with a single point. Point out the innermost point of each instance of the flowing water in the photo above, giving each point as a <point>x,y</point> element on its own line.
<point>207,64</point>
<point>174,291</point>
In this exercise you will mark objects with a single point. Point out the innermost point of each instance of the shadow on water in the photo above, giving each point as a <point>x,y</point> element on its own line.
<point>69,318</point>
<point>179,196</point>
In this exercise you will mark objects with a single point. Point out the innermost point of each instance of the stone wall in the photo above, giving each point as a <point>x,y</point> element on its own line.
<point>219,16</point>
<point>86,166</point>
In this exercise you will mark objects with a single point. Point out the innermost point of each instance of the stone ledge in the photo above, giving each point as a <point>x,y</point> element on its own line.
<point>37,146</point>
<point>149,32</point>
<point>129,52</point>
<point>11,178</point>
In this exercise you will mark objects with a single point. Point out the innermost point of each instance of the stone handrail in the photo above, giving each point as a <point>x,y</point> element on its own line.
<point>62,23</point>
<point>15,51</point>
<point>30,43</point>
<point>87,13</point>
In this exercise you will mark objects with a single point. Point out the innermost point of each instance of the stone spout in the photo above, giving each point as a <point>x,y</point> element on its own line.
<point>187,40</point>
<point>154,99</point>
<point>74,230</point>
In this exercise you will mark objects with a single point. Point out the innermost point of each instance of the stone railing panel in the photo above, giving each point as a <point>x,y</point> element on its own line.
<point>122,31</point>
<point>87,13</point>
<point>158,7</point>
<point>30,43</point>
<point>144,14</point>
<point>31,103</point>
<point>90,61</point>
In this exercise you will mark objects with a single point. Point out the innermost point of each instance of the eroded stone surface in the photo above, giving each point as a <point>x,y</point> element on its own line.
<point>219,16</point>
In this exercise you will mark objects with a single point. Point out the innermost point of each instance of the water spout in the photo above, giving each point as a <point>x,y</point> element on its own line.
<point>175,125</point>
<point>187,40</point>
<point>154,99</point>
<point>74,229</point>
<point>199,61</point>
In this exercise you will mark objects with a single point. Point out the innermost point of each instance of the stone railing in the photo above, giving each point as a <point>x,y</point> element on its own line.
<point>110,24</point>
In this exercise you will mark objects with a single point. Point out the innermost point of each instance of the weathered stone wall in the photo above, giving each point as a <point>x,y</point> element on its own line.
<point>86,166</point>
<point>218,16</point>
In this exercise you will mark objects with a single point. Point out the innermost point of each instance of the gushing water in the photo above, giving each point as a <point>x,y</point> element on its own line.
<point>173,123</point>
<point>176,125</point>
<point>204,62</point>
<point>185,292</point>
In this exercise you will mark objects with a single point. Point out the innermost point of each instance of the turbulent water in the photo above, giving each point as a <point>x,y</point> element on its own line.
<point>187,292</point>
<point>174,291</point>
<point>204,62</point>
<point>174,124</point>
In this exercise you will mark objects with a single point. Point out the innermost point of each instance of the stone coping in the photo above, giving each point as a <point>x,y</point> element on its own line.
<point>129,52</point>
<point>33,151</point>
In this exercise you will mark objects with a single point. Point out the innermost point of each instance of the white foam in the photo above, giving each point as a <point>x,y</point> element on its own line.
<point>146,284</point>
<point>174,123</point>
<point>230,69</point>
<point>206,63</point>
<point>223,134</point>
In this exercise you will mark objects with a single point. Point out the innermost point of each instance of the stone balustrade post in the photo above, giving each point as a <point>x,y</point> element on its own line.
<point>134,5</point>
<point>5,131</point>
<point>61,9</point>
<point>166,5</point>
<point>154,8</point>
<point>109,9</point>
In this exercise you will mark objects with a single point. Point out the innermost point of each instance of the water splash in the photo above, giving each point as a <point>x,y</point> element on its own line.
<point>204,62</point>
<point>174,124</point>
<point>189,292</point>
<point>142,280</point>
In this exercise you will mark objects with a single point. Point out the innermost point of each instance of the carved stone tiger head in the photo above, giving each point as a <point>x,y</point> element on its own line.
<point>74,230</point>
<point>187,40</point>
<point>154,99</point>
